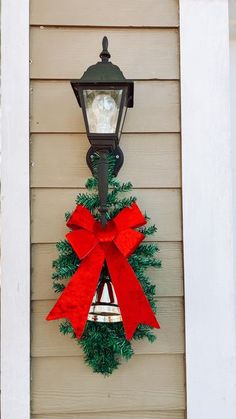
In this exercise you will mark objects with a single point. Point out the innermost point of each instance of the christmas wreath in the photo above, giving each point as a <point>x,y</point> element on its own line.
<point>106,261</point>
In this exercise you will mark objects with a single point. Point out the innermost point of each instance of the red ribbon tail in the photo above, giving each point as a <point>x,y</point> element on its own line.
<point>134,305</point>
<point>75,301</point>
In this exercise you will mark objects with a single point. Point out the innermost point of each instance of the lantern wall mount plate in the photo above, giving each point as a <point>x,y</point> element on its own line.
<point>104,95</point>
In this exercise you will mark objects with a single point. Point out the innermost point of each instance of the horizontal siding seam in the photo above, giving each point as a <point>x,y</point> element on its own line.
<point>129,27</point>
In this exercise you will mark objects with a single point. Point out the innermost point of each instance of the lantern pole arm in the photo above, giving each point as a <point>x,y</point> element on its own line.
<point>103,184</point>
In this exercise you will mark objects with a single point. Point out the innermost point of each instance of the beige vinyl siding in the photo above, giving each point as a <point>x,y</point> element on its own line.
<point>54,109</point>
<point>170,315</point>
<point>174,414</point>
<point>129,13</point>
<point>48,225</point>
<point>65,38</point>
<point>162,155</point>
<point>63,53</point>
<point>151,382</point>
<point>169,279</point>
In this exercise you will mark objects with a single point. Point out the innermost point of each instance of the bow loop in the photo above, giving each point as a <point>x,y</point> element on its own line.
<point>81,217</point>
<point>128,240</point>
<point>82,241</point>
<point>129,217</point>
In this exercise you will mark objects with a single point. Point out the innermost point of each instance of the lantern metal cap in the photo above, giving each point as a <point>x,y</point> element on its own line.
<point>104,73</point>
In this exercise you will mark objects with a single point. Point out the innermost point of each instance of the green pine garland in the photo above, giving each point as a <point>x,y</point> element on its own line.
<point>104,344</point>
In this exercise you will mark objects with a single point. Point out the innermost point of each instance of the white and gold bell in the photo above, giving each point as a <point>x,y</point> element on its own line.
<point>105,307</point>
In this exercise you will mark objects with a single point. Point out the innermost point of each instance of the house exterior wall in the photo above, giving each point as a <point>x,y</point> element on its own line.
<point>144,41</point>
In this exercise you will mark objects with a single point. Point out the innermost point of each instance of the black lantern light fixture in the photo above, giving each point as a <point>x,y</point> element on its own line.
<point>104,95</point>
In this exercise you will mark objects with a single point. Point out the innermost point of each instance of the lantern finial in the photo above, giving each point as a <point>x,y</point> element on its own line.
<point>105,55</point>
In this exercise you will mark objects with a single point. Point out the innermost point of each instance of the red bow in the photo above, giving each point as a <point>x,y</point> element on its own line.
<point>94,244</point>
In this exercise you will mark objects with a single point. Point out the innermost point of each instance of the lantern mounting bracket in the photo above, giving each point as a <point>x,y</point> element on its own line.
<point>118,154</point>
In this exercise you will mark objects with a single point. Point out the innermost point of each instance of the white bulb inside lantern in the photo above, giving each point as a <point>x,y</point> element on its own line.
<point>104,110</point>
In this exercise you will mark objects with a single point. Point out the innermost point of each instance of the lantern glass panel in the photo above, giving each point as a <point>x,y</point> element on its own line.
<point>102,109</point>
<point>124,110</point>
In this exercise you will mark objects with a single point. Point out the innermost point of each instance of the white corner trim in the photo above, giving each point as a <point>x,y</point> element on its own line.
<point>210,303</point>
<point>15,218</point>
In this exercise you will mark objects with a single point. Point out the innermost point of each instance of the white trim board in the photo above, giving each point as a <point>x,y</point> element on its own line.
<point>15,240</point>
<point>210,305</point>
